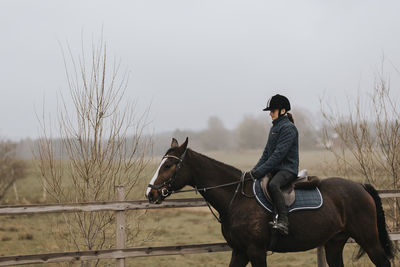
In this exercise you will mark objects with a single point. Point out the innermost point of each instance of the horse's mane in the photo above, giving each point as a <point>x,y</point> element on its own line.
<point>229,168</point>
<point>212,161</point>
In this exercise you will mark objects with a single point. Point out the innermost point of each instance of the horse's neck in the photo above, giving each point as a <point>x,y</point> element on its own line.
<point>207,172</point>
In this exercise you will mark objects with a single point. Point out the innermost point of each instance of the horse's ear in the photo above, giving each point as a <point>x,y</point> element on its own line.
<point>174,143</point>
<point>184,145</point>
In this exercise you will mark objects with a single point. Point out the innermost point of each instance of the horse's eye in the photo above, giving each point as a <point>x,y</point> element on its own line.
<point>167,166</point>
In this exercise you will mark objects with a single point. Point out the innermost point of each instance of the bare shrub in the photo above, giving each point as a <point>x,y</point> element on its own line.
<point>6,238</point>
<point>25,236</point>
<point>12,229</point>
<point>102,146</point>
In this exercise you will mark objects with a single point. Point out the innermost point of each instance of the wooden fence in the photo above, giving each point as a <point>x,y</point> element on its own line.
<point>120,253</point>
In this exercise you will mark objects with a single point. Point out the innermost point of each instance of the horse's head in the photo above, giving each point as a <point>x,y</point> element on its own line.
<point>170,175</point>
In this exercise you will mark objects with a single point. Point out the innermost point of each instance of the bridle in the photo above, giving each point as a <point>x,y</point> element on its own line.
<point>167,185</point>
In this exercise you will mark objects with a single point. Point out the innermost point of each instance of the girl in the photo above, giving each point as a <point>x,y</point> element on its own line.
<point>280,159</point>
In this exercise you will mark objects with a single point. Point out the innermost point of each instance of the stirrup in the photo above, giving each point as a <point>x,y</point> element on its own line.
<point>274,221</point>
<point>281,227</point>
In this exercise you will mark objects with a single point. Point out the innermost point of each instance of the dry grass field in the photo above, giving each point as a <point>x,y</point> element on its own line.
<point>36,234</point>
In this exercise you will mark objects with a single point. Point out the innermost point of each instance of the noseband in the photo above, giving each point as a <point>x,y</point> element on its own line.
<point>167,185</point>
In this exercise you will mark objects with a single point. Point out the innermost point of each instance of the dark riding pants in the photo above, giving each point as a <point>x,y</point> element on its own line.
<point>279,180</point>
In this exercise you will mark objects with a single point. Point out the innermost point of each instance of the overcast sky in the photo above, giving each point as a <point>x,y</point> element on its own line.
<point>195,59</point>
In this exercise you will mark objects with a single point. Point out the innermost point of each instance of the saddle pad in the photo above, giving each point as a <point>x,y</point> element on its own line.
<point>305,199</point>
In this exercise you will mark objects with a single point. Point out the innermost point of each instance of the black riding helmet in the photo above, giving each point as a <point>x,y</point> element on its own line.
<point>278,102</point>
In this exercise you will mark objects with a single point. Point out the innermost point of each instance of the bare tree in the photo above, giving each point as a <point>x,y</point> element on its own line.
<point>216,136</point>
<point>251,133</point>
<point>11,168</point>
<point>307,127</point>
<point>102,145</point>
<point>366,142</point>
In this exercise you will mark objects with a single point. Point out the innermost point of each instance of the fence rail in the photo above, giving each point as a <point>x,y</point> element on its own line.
<point>121,253</point>
<point>101,206</point>
<point>113,254</point>
<point>126,253</point>
<point>125,205</point>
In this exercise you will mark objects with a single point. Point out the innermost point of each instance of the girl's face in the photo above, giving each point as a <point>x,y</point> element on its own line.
<point>275,113</point>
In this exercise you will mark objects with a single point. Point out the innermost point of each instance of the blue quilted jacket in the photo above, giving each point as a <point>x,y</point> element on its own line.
<point>281,151</point>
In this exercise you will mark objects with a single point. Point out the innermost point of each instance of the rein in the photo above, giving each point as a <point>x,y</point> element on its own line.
<point>165,186</point>
<point>204,189</point>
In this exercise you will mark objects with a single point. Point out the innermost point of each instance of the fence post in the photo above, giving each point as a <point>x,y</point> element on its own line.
<point>121,224</point>
<point>321,257</point>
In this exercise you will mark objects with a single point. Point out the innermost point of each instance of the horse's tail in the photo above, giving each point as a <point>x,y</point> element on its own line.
<point>384,238</point>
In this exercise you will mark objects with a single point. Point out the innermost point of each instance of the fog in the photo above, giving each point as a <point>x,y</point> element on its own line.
<point>191,60</point>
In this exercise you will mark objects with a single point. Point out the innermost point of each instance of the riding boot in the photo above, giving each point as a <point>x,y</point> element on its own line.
<point>282,224</point>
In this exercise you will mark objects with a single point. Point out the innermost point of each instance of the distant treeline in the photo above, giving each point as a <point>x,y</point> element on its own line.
<point>250,133</point>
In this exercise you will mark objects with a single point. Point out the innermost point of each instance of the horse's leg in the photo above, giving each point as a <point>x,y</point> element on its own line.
<point>334,250</point>
<point>366,235</point>
<point>377,254</point>
<point>257,256</point>
<point>238,259</point>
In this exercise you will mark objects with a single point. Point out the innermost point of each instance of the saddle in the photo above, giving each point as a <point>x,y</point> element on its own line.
<point>302,182</point>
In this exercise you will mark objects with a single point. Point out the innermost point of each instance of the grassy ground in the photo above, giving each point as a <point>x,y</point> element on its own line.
<point>33,234</point>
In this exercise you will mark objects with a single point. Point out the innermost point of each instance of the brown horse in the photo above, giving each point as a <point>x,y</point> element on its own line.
<point>349,210</point>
